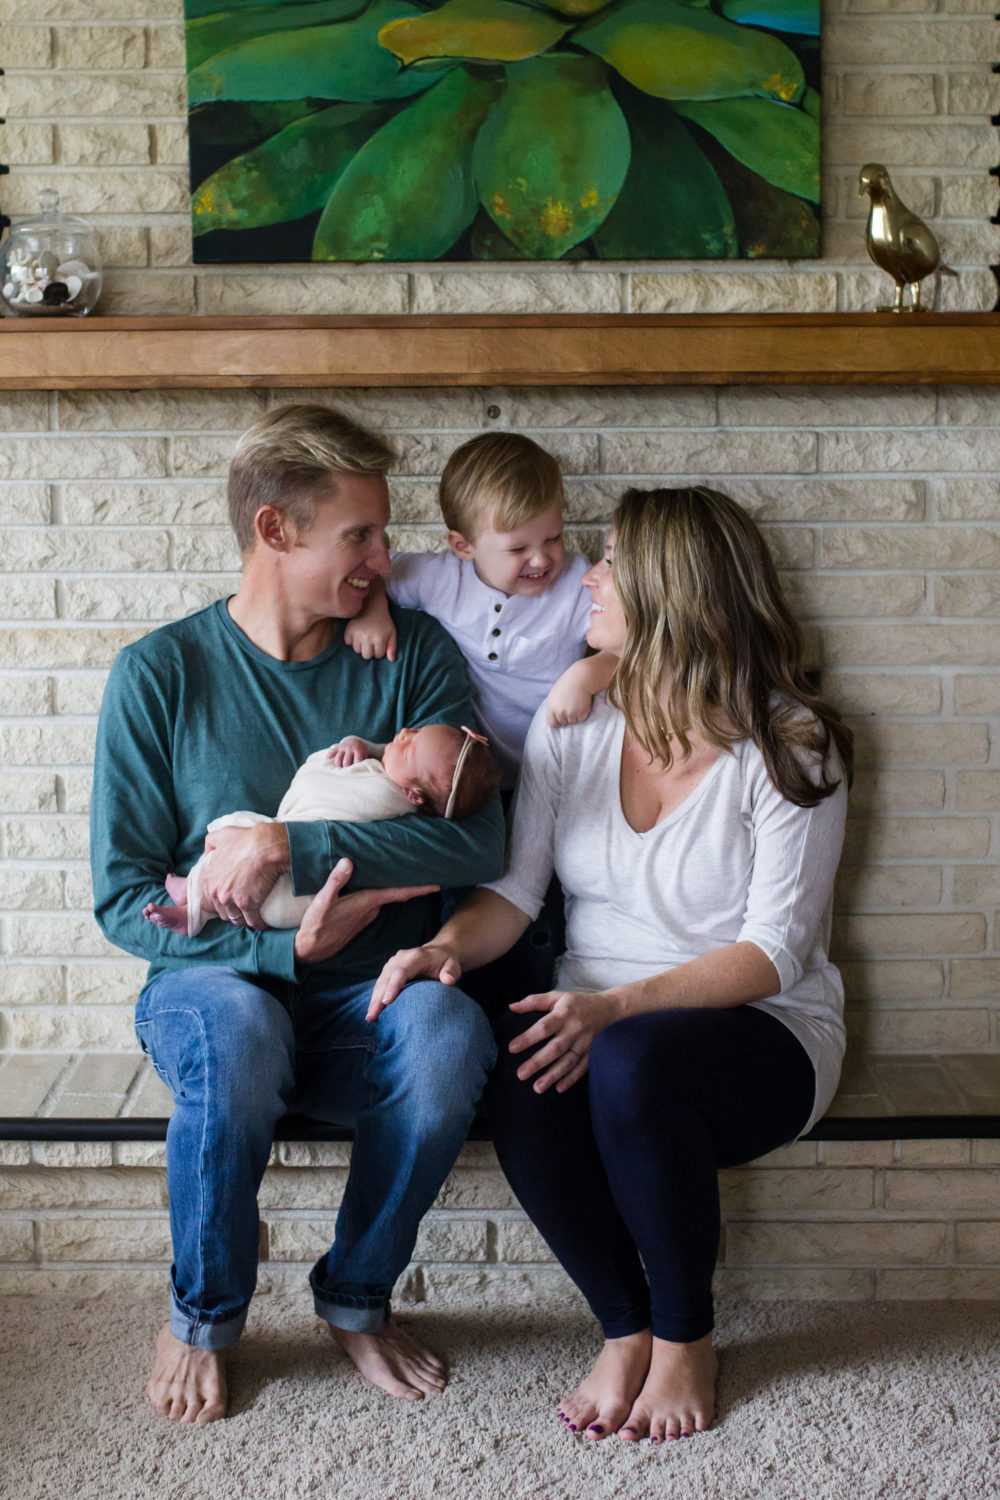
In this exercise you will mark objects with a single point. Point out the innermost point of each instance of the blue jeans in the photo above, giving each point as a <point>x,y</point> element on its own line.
<point>237,1054</point>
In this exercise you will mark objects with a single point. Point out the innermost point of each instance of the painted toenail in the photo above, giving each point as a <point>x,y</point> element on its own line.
<point>595,1427</point>
<point>572,1426</point>
<point>656,1440</point>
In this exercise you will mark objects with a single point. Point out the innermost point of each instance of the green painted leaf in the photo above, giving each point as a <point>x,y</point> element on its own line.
<point>778,143</point>
<point>673,206</point>
<point>769,223</point>
<point>494,30</point>
<point>812,104</point>
<point>194,10</point>
<point>678,52</point>
<point>798,16</point>
<point>288,176</point>
<point>551,158</point>
<point>576,8</point>
<point>408,193</point>
<point>490,243</point>
<point>342,61</point>
<point>216,33</point>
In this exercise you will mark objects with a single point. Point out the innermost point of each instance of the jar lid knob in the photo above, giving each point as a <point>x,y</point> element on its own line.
<point>48,200</point>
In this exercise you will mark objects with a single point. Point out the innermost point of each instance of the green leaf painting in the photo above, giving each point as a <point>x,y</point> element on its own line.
<point>518,130</point>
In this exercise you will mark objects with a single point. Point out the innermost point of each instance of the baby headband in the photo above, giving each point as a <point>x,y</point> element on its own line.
<point>463,754</point>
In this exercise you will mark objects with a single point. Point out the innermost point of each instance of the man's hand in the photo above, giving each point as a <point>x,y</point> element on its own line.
<point>567,1029</point>
<point>348,751</point>
<point>431,962</point>
<point>244,864</point>
<point>332,920</point>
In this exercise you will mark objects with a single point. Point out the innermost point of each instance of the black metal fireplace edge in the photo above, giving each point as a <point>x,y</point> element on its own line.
<point>298,1128</point>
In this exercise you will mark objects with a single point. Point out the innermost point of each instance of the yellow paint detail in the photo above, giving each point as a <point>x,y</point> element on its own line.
<point>500,209</point>
<point>589,199</point>
<point>781,86</point>
<point>556,219</point>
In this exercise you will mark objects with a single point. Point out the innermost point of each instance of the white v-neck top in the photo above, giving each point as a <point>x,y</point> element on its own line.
<point>735,862</point>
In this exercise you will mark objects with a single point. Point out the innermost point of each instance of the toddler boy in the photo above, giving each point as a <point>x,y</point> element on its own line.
<point>505,590</point>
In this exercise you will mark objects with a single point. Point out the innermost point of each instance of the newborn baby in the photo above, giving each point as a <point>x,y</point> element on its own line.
<point>437,770</point>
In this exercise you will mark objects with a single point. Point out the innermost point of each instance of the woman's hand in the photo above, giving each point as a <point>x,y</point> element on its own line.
<point>571,1021</point>
<point>429,962</point>
<point>332,920</point>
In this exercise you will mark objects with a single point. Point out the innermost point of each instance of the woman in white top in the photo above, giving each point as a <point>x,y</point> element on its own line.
<point>695,821</point>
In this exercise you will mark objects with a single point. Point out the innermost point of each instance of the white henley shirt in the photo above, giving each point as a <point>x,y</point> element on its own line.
<point>515,646</point>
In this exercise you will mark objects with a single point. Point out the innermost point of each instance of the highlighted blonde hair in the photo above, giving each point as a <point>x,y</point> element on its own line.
<point>290,457</point>
<point>498,479</point>
<point>702,600</point>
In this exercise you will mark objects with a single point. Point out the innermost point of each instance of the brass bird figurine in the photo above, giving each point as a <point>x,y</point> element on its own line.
<point>897,239</point>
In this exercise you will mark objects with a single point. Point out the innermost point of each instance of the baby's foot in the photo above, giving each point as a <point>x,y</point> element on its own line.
<point>601,1403</point>
<point>177,889</point>
<point>678,1397</point>
<point>172,918</point>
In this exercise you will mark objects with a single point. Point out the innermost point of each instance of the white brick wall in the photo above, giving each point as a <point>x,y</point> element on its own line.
<point>882,505</point>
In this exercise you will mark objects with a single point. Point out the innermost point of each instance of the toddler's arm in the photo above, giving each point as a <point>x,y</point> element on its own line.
<point>371,632</point>
<point>570,698</point>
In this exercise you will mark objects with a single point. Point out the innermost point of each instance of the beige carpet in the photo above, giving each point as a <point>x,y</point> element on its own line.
<point>818,1402</point>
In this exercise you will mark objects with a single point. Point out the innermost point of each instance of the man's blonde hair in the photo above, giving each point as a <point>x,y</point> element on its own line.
<point>289,456</point>
<point>499,478</point>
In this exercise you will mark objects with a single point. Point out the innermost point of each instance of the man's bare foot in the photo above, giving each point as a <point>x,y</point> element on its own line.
<point>678,1398</point>
<point>393,1361</point>
<point>187,1384</point>
<point>601,1403</point>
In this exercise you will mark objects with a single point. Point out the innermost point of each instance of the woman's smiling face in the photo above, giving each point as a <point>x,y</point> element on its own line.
<point>607,618</point>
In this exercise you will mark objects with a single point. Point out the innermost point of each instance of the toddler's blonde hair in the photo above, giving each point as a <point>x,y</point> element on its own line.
<point>501,479</point>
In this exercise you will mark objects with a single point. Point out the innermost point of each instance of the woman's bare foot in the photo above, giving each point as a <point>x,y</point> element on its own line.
<point>187,1384</point>
<point>678,1398</point>
<point>601,1403</point>
<point>393,1361</point>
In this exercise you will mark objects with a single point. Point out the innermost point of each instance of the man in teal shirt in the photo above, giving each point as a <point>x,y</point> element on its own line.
<point>246,1024</point>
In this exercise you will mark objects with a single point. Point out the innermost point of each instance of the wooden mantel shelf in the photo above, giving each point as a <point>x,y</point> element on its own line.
<point>524,349</point>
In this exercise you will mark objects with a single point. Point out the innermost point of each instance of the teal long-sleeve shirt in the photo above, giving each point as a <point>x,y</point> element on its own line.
<point>196,722</point>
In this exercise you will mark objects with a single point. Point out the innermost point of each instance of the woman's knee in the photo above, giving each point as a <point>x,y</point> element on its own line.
<point>628,1062</point>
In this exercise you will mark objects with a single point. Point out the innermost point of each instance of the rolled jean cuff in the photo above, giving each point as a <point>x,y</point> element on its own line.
<point>200,1333</point>
<point>353,1314</point>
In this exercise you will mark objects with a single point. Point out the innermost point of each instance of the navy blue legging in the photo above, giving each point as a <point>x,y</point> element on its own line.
<point>620,1172</point>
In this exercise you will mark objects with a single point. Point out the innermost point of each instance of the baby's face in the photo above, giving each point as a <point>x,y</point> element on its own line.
<point>418,757</point>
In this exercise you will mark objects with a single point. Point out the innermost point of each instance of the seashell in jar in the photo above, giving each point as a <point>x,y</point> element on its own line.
<point>69,268</point>
<point>46,262</point>
<point>9,290</point>
<point>55,294</point>
<point>18,271</point>
<point>73,285</point>
<point>33,294</point>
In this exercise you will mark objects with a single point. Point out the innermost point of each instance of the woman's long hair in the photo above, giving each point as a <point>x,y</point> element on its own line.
<point>702,599</point>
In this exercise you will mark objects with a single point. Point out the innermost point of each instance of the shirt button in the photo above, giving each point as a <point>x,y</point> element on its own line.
<point>495,632</point>
<point>498,607</point>
<point>492,656</point>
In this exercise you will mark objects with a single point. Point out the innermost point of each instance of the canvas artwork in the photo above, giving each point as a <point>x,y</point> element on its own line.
<point>533,130</point>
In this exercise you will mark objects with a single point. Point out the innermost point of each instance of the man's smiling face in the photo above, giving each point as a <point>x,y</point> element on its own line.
<point>333,564</point>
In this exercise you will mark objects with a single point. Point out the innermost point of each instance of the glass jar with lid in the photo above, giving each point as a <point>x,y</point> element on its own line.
<point>49,263</point>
